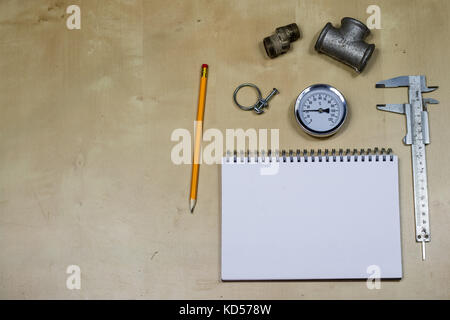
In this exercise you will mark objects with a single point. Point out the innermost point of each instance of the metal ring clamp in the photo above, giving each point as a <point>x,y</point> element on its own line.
<point>257,101</point>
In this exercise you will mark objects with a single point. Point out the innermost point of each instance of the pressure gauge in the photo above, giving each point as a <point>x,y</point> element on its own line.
<point>320,110</point>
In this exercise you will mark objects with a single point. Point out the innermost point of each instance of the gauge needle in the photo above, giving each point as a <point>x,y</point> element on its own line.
<point>320,110</point>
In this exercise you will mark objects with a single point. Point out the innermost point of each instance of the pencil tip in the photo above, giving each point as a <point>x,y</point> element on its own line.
<point>192,205</point>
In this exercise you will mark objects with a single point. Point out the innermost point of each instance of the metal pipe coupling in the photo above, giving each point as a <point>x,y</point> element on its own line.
<point>346,44</point>
<point>280,41</point>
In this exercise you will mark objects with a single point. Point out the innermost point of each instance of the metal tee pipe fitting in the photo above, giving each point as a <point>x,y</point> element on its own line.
<point>346,44</point>
<point>280,41</point>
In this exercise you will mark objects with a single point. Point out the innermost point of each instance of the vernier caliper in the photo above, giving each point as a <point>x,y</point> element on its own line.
<point>417,136</point>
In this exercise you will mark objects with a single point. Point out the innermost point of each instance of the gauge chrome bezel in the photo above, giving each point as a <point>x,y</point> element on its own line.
<point>297,110</point>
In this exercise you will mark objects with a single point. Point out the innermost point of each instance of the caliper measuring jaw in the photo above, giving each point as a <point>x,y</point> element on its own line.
<point>417,136</point>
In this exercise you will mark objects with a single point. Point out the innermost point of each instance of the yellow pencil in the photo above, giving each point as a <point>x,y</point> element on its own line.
<point>198,137</point>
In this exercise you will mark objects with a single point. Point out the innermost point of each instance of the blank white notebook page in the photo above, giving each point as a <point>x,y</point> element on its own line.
<point>310,220</point>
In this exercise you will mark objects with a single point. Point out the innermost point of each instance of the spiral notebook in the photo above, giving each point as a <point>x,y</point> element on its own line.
<point>311,215</point>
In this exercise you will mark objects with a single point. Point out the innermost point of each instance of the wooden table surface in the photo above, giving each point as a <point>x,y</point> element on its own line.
<point>86,176</point>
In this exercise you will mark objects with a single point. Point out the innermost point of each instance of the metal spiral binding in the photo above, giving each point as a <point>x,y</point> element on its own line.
<point>377,155</point>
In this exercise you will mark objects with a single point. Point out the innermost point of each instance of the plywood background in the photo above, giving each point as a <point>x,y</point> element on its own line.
<point>86,118</point>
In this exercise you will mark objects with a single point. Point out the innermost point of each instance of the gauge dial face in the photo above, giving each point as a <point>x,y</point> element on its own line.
<point>320,110</point>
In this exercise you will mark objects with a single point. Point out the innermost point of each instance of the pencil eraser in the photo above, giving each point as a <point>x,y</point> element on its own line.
<point>204,65</point>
